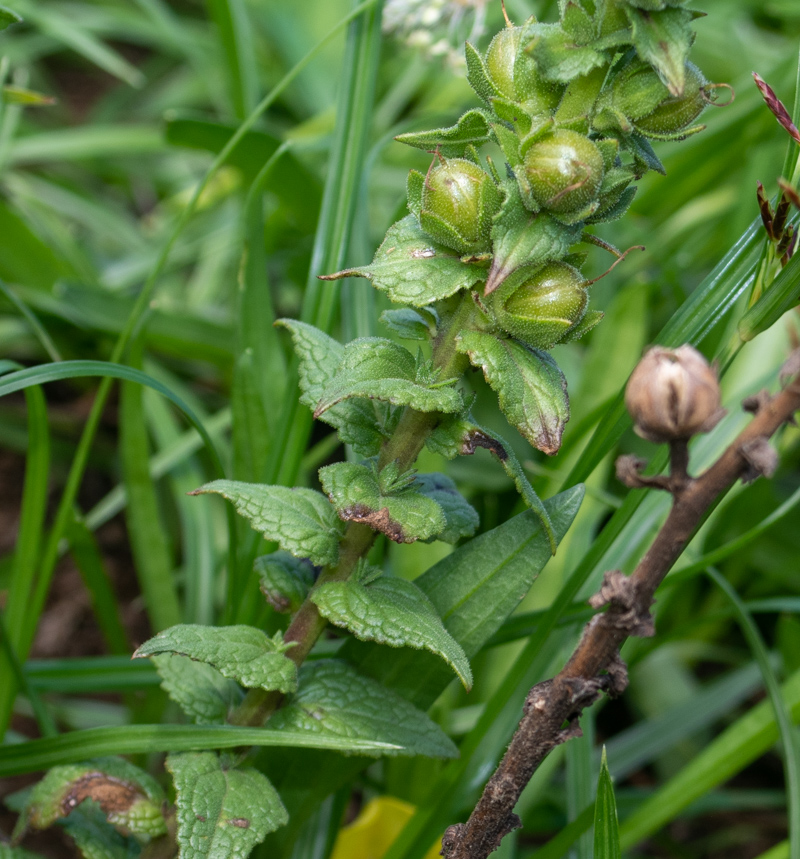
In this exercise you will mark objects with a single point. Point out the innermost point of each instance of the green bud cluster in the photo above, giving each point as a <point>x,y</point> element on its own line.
<point>572,107</point>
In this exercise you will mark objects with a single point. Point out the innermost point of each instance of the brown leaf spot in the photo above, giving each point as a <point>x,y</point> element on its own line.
<point>475,439</point>
<point>240,822</point>
<point>111,794</point>
<point>378,520</point>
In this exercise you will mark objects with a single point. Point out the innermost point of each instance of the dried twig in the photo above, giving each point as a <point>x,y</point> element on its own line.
<point>552,708</point>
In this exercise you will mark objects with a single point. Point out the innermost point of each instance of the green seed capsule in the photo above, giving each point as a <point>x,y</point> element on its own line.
<point>458,202</point>
<point>545,307</point>
<point>675,113</point>
<point>564,172</point>
<point>514,75</point>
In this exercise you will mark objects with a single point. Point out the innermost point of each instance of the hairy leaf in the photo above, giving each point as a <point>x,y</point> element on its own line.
<point>95,838</point>
<point>404,516</point>
<point>472,130</point>
<point>127,796</point>
<point>333,697</point>
<point>301,521</point>
<point>410,324</point>
<point>391,611</point>
<point>199,689</point>
<point>474,589</point>
<point>285,580</point>
<point>531,389</point>
<point>557,56</point>
<point>357,421</point>
<point>663,38</point>
<point>380,369</point>
<point>222,813</point>
<point>412,269</point>
<point>243,653</point>
<point>461,520</point>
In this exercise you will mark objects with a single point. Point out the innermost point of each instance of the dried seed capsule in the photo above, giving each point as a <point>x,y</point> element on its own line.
<point>458,202</point>
<point>564,172</point>
<point>673,394</point>
<point>542,309</point>
<point>513,73</point>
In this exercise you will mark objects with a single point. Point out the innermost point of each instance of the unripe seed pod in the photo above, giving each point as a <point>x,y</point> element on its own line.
<point>458,202</point>
<point>675,113</point>
<point>637,90</point>
<point>514,75</point>
<point>564,171</point>
<point>673,394</point>
<point>545,306</point>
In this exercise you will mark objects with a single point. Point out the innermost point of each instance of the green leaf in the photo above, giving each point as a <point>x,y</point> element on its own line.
<point>411,324</point>
<point>474,589</point>
<point>199,689</point>
<point>334,698</point>
<point>379,369</point>
<point>459,436</point>
<point>285,580</point>
<point>460,516</point>
<point>531,389</point>
<point>412,269</point>
<point>606,827</point>
<point>128,796</point>
<point>222,813</point>
<point>243,653</point>
<point>557,56</point>
<point>391,611</point>
<point>663,38</point>
<point>320,356</point>
<point>478,75</point>
<point>300,520</point>
<point>21,95</point>
<point>8,17</point>
<point>17,853</point>
<point>452,142</point>
<point>95,838</point>
<point>404,516</point>
<point>521,237</point>
<point>781,296</point>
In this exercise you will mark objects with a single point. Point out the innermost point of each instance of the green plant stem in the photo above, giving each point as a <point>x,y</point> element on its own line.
<point>403,447</point>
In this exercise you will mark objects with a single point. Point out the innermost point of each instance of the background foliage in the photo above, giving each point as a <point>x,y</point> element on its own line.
<point>92,190</point>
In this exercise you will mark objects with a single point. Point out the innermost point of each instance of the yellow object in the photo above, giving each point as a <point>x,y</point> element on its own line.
<point>374,831</point>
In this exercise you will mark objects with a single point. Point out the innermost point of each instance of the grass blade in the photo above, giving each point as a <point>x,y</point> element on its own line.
<point>606,827</point>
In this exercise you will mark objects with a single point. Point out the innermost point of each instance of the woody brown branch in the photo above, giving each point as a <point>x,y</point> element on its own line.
<point>551,710</point>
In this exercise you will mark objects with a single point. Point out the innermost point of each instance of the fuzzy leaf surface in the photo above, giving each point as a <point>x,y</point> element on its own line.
<point>334,698</point>
<point>474,589</point>
<point>95,838</point>
<point>452,142</point>
<point>557,56</point>
<point>243,653</point>
<point>285,580</point>
<point>391,611</point>
<point>409,324</point>
<point>126,795</point>
<point>202,692</point>
<point>357,421</point>
<point>663,38</point>
<point>300,520</point>
<point>412,269</point>
<point>531,389</point>
<point>222,813</point>
<point>461,519</point>
<point>376,368</point>
<point>404,516</point>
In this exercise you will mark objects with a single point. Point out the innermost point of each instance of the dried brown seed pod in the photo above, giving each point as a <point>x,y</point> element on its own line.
<point>673,394</point>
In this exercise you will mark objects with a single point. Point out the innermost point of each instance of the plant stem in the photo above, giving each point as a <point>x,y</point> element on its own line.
<point>403,448</point>
<point>551,704</point>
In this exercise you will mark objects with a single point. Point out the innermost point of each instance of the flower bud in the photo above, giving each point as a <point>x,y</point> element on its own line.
<point>459,201</point>
<point>563,172</point>
<point>674,113</point>
<point>673,394</point>
<point>542,309</point>
<point>513,73</point>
